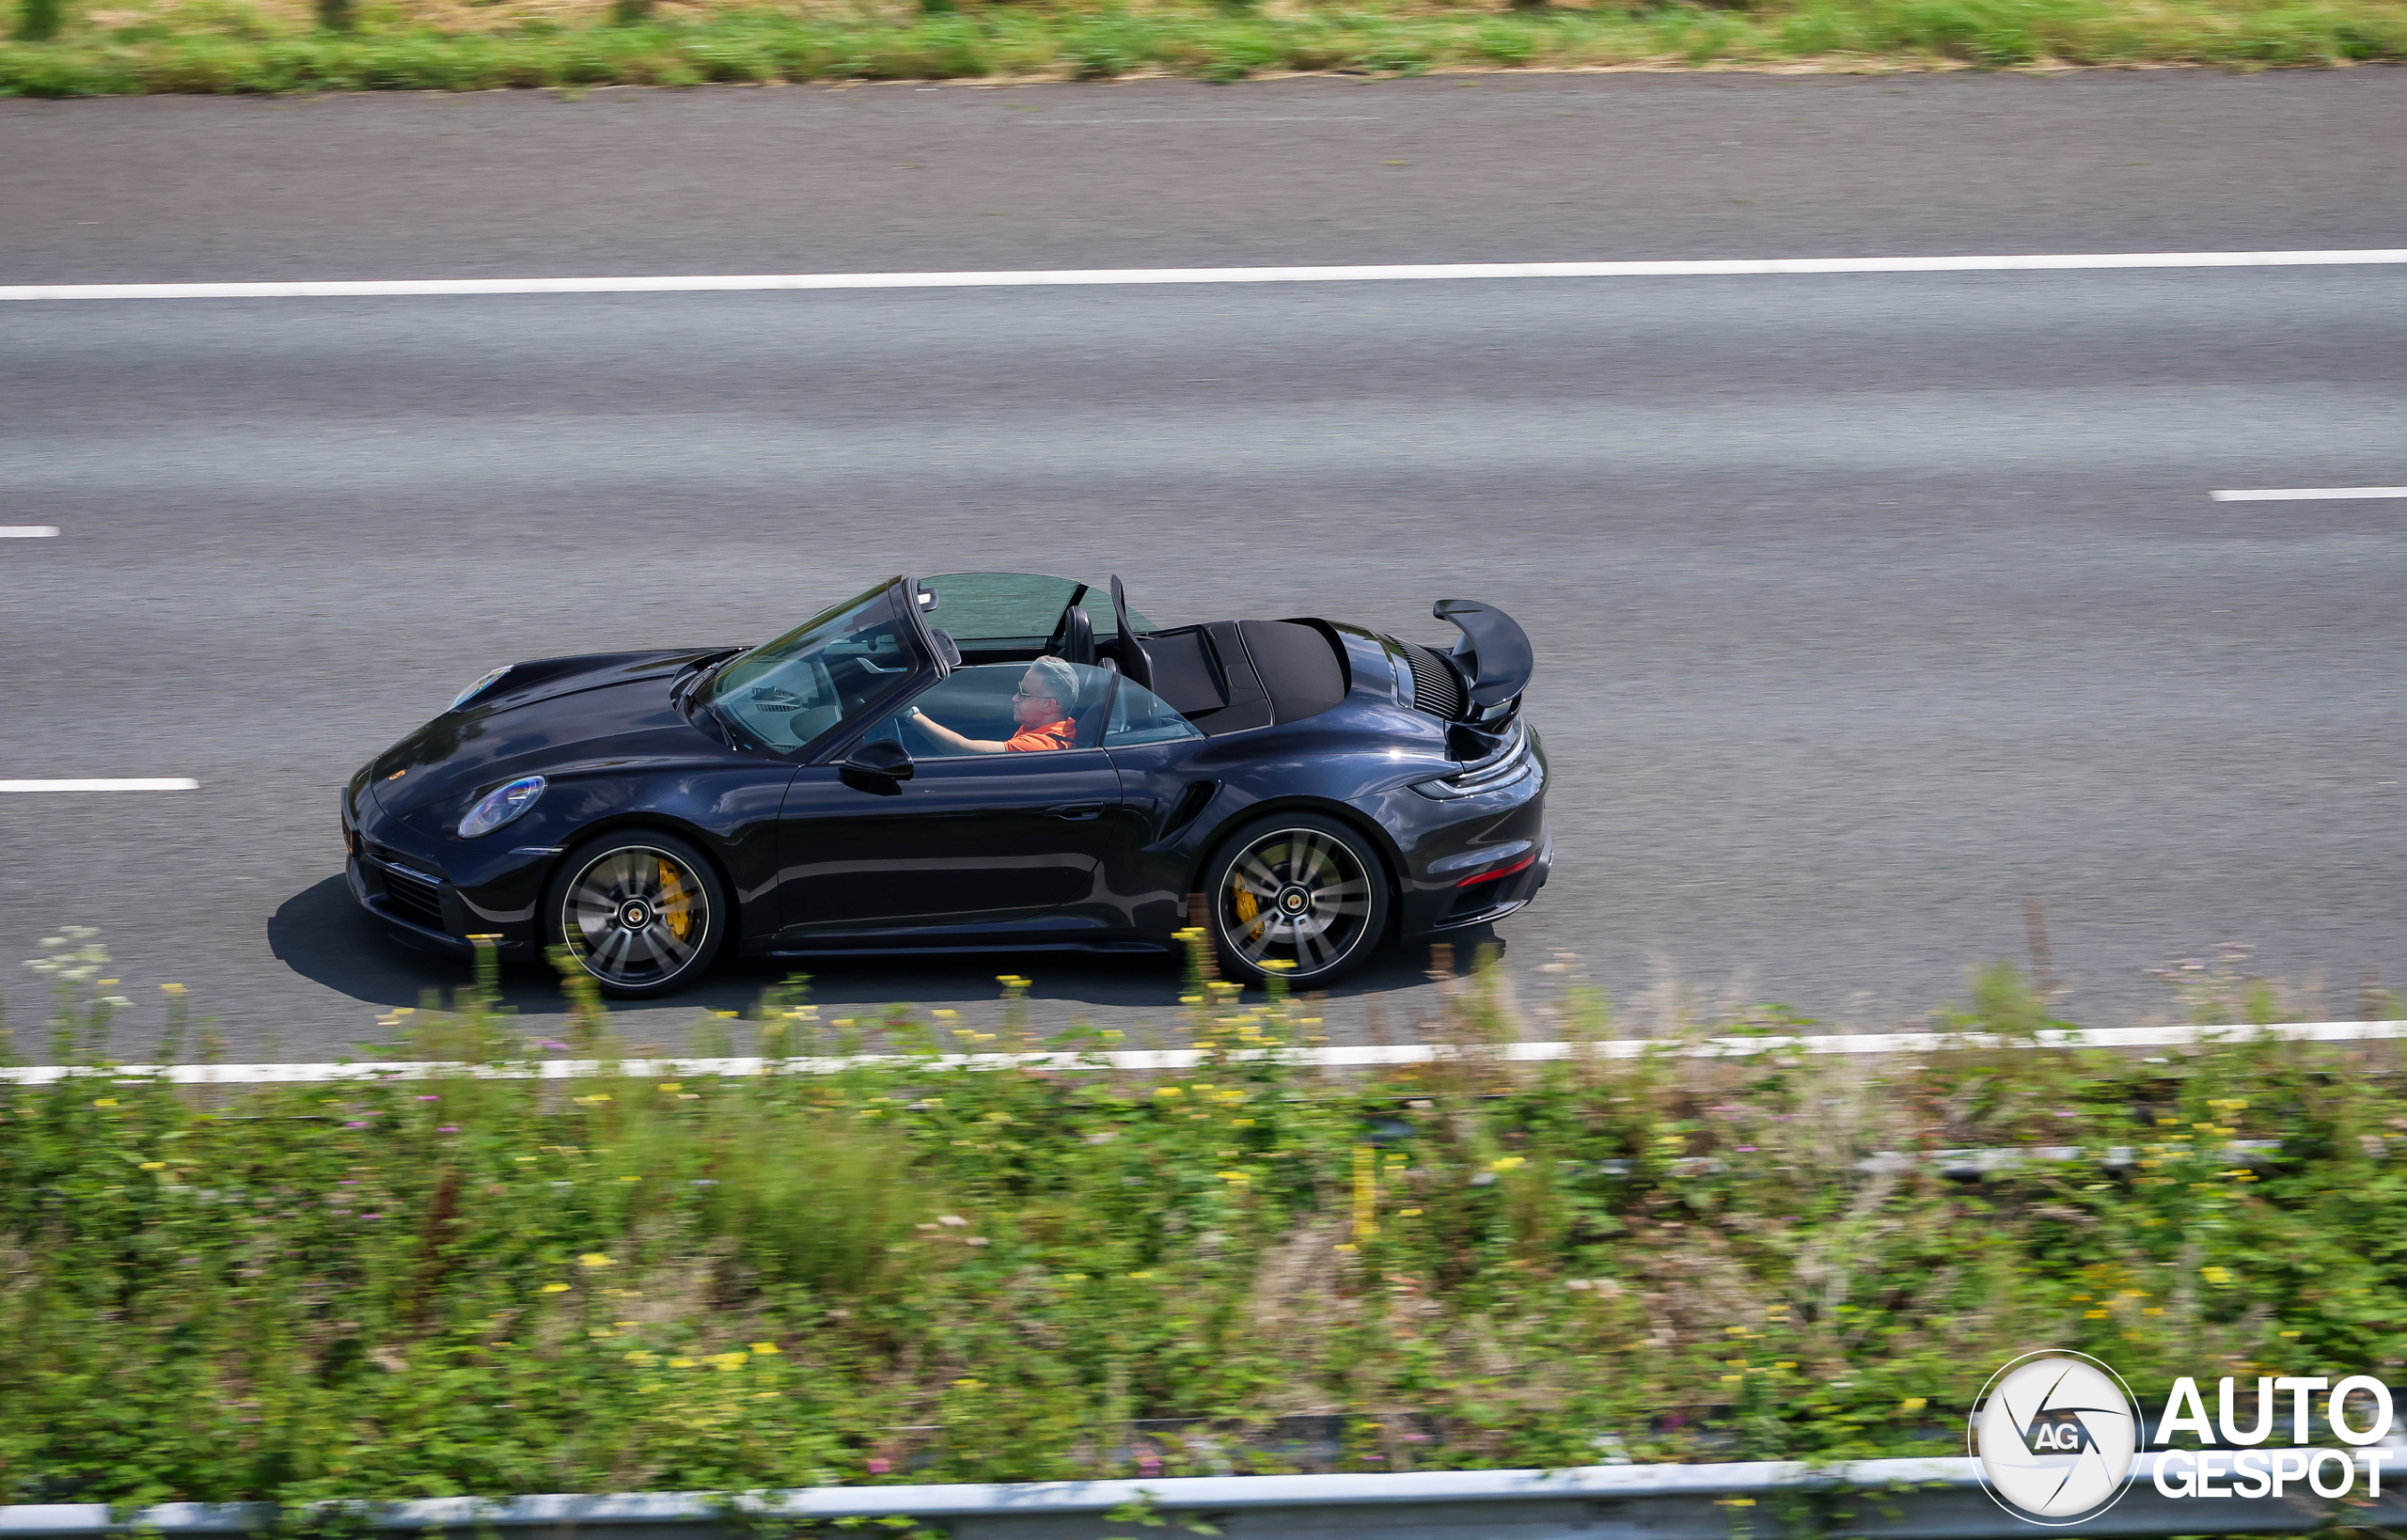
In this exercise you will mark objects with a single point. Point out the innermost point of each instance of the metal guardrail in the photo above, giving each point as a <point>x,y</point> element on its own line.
<point>1359,1057</point>
<point>1878,1500</point>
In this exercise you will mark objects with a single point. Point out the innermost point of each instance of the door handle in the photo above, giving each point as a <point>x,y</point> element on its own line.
<point>1078,812</point>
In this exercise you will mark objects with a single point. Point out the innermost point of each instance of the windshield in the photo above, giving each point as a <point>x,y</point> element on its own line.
<point>819,675</point>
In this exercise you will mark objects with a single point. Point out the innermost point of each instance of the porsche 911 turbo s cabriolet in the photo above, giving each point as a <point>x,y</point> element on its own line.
<point>978,762</point>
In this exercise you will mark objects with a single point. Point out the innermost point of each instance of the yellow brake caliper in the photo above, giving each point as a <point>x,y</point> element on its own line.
<point>1248,907</point>
<point>674,906</point>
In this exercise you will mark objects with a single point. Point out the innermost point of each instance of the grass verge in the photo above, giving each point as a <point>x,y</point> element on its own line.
<point>219,46</point>
<point>501,1286</point>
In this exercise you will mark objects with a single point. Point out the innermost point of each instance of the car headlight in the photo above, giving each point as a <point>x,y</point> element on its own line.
<point>474,690</point>
<point>499,807</point>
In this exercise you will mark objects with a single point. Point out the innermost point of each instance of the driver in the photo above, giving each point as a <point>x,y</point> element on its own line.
<point>1040,709</point>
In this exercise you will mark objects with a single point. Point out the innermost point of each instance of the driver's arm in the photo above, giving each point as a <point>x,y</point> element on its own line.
<point>944,734</point>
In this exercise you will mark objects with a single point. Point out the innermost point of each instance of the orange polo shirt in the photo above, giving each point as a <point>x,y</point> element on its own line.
<point>1060,734</point>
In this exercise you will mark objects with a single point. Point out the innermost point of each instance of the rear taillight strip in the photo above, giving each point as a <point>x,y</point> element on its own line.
<point>1521,865</point>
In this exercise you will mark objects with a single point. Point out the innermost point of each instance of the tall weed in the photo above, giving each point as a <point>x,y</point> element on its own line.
<point>499,1281</point>
<point>200,46</point>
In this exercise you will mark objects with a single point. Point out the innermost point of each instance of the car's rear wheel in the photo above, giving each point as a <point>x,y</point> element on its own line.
<point>1298,889</point>
<point>641,911</point>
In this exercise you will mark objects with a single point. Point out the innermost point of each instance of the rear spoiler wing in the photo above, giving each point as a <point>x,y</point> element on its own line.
<point>1494,654</point>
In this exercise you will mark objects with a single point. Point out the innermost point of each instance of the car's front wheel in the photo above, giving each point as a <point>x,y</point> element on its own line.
<point>641,911</point>
<point>1297,894</point>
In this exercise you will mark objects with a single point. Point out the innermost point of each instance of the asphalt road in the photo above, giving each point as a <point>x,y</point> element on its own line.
<point>1866,607</point>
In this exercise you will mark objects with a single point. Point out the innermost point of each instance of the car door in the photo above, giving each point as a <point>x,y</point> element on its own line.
<point>1010,842</point>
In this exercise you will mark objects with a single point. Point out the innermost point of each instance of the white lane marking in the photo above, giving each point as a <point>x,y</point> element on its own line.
<point>2306,494</point>
<point>1319,117</point>
<point>1427,272</point>
<point>27,532</point>
<point>1178,1059</point>
<point>153,783</point>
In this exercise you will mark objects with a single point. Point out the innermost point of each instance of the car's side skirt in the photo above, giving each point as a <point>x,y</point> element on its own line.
<point>858,949</point>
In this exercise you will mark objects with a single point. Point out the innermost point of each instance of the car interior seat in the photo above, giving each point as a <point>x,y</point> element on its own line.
<point>1134,663</point>
<point>1078,640</point>
<point>948,649</point>
<point>1098,706</point>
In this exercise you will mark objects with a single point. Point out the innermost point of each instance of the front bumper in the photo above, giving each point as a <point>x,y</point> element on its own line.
<point>448,900</point>
<point>371,883</point>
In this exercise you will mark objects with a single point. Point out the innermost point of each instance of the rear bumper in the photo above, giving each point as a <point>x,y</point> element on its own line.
<point>1471,861</point>
<point>1481,904</point>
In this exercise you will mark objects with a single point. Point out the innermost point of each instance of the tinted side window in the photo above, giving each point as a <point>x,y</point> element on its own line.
<point>980,712</point>
<point>1140,716</point>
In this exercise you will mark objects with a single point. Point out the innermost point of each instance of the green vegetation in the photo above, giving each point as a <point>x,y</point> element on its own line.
<point>908,1271</point>
<point>95,49</point>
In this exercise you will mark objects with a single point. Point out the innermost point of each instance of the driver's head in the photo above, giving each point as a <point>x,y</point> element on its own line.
<point>1048,692</point>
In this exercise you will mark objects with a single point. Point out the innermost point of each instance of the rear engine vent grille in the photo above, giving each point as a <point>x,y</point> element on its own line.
<point>1434,687</point>
<point>413,898</point>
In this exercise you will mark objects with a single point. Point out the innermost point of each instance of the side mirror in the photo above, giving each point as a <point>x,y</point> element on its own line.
<point>883,759</point>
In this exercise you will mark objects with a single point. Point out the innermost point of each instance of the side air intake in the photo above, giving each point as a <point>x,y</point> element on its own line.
<point>1436,687</point>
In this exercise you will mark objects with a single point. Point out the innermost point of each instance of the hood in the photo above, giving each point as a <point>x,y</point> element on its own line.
<point>550,717</point>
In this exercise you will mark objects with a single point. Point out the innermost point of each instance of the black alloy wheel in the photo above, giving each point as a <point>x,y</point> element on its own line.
<point>642,912</point>
<point>1299,889</point>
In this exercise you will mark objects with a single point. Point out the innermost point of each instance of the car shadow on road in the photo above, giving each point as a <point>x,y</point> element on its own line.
<point>323,936</point>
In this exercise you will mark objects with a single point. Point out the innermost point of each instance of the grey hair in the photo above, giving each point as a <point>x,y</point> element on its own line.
<point>1061,680</point>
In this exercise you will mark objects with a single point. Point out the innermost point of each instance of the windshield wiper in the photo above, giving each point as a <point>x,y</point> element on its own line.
<point>688,687</point>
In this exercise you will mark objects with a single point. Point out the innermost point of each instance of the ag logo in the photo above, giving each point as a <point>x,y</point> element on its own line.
<point>2053,1435</point>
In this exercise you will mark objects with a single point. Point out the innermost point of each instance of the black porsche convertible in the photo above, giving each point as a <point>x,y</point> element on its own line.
<point>978,761</point>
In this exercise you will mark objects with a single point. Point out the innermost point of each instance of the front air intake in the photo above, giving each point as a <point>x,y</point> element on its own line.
<point>414,897</point>
<point>1436,687</point>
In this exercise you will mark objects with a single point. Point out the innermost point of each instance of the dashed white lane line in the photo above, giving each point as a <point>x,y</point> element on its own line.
<point>147,783</point>
<point>706,283</point>
<point>2305,494</point>
<point>27,532</point>
<point>1322,117</point>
